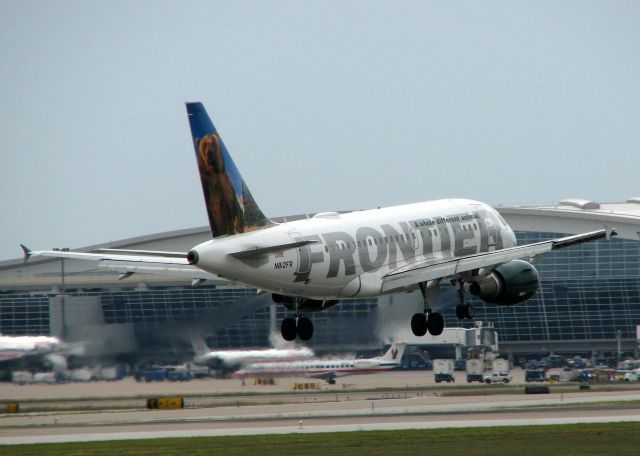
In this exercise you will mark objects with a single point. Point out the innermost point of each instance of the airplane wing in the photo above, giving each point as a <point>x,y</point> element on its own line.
<point>327,376</point>
<point>426,270</point>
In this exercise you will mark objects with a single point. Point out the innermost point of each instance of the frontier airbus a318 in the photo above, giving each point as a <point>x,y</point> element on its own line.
<point>309,265</point>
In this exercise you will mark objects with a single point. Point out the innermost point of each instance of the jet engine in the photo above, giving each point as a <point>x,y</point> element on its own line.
<point>510,283</point>
<point>304,304</point>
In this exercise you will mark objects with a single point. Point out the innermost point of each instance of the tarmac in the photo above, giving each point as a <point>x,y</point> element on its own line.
<point>129,387</point>
<point>269,409</point>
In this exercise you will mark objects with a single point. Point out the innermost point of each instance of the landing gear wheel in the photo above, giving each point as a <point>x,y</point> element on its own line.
<point>305,328</point>
<point>419,324</point>
<point>288,329</point>
<point>435,323</point>
<point>465,311</point>
<point>469,311</point>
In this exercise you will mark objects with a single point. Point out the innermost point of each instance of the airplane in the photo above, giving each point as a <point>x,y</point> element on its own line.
<point>17,347</point>
<point>310,265</point>
<point>231,360</point>
<point>327,369</point>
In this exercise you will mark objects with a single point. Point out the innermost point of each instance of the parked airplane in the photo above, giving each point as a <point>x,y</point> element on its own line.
<point>15,347</point>
<point>309,265</point>
<point>327,369</point>
<point>231,360</point>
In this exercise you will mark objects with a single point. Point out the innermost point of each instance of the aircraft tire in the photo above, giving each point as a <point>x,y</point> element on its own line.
<point>288,329</point>
<point>305,328</point>
<point>460,312</point>
<point>435,323</point>
<point>469,311</point>
<point>419,324</point>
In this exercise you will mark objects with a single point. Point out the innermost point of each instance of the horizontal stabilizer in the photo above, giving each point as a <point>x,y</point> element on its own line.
<point>142,252</point>
<point>124,256</point>
<point>256,252</point>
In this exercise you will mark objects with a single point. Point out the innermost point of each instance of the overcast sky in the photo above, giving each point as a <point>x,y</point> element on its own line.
<point>323,105</point>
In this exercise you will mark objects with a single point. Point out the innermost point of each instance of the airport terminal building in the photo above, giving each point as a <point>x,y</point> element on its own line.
<point>588,300</point>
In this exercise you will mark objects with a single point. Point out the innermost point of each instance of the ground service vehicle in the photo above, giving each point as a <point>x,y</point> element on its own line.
<point>534,375</point>
<point>443,370</point>
<point>498,377</point>
<point>475,370</point>
<point>500,365</point>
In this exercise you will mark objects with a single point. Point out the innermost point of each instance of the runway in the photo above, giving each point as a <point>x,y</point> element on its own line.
<point>316,425</point>
<point>338,411</point>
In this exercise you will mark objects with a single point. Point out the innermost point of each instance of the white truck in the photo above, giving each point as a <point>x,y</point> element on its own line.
<point>632,376</point>
<point>22,377</point>
<point>498,377</point>
<point>444,370</point>
<point>475,370</point>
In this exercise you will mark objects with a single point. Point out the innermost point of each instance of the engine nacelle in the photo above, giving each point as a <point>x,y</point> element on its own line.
<point>304,304</point>
<point>510,283</point>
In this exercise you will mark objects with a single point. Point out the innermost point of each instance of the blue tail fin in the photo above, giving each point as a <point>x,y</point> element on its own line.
<point>230,206</point>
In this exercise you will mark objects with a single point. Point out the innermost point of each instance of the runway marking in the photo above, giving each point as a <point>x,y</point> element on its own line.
<point>296,428</point>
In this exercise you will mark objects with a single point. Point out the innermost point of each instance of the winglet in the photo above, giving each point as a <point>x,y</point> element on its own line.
<point>611,232</point>
<point>27,252</point>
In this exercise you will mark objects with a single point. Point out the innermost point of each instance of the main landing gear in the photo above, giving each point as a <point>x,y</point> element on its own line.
<point>463,310</point>
<point>427,320</point>
<point>432,321</point>
<point>300,326</point>
<point>294,326</point>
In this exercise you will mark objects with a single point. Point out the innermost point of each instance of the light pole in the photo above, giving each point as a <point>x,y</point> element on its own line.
<point>63,249</point>
<point>62,287</point>
<point>619,338</point>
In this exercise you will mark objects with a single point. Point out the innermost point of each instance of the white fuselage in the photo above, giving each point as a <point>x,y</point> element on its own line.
<point>352,252</point>
<point>13,347</point>
<point>242,357</point>
<point>317,368</point>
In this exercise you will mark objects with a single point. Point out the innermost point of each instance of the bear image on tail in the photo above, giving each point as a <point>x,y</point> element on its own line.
<point>225,212</point>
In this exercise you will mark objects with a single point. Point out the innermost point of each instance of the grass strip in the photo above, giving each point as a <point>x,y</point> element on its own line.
<point>580,439</point>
